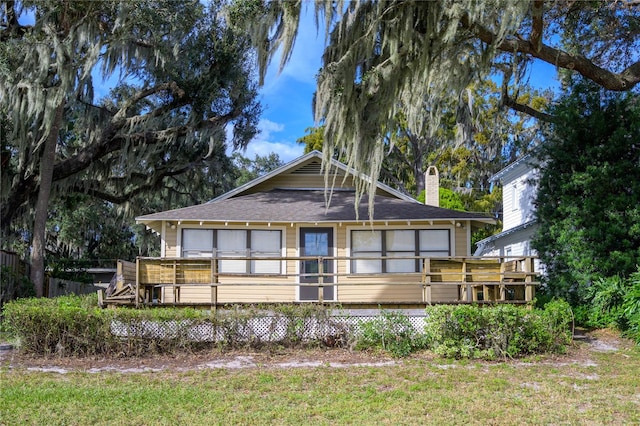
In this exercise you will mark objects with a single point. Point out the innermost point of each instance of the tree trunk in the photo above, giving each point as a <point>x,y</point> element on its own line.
<point>47,162</point>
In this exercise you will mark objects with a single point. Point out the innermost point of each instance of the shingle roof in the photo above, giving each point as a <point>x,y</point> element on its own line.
<point>297,205</point>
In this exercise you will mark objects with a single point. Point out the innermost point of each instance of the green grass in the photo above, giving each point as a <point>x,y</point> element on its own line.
<point>416,391</point>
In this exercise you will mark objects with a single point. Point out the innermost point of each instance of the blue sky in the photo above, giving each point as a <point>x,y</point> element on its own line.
<point>286,97</point>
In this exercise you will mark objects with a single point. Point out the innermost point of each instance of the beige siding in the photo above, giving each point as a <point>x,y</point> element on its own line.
<point>171,242</point>
<point>289,180</point>
<point>351,289</point>
<point>444,293</point>
<point>461,244</point>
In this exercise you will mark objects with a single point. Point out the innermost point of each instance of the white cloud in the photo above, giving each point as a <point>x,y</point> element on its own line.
<point>266,143</point>
<point>286,151</point>
<point>266,127</point>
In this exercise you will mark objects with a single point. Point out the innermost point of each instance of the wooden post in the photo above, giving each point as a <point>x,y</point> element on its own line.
<point>469,290</point>
<point>137,281</point>
<point>426,280</point>
<point>503,292</point>
<point>174,281</point>
<point>528,289</point>
<point>214,280</point>
<point>320,280</point>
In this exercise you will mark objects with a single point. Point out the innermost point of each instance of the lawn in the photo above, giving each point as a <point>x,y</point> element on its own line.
<point>586,386</point>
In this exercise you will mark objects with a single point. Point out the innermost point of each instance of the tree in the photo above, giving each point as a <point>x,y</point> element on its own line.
<point>248,170</point>
<point>412,57</point>
<point>588,202</point>
<point>182,77</point>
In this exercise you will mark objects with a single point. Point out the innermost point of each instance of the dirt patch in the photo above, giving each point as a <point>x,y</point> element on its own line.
<point>586,343</point>
<point>287,358</point>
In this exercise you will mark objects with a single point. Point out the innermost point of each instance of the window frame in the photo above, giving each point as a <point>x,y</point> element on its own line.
<point>417,253</point>
<point>250,263</point>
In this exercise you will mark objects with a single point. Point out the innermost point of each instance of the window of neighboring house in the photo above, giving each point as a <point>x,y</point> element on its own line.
<point>234,243</point>
<point>395,245</point>
<point>514,197</point>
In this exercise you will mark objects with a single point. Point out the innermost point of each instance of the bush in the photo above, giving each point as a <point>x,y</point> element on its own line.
<point>65,325</point>
<point>392,332</point>
<point>631,309</point>
<point>603,307</point>
<point>503,331</point>
<point>75,326</point>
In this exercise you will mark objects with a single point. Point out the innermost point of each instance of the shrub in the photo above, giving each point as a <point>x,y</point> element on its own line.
<point>503,331</point>
<point>75,326</point>
<point>392,332</point>
<point>603,307</point>
<point>631,308</point>
<point>65,325</point>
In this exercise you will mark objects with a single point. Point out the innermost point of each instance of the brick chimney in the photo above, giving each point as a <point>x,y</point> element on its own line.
<point>432,187</point>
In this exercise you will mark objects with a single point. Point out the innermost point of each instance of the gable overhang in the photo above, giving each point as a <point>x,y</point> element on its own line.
<point>300,161</point>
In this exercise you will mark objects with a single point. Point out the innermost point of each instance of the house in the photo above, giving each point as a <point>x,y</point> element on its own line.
<point>519,220</point>
<point>284,238</point>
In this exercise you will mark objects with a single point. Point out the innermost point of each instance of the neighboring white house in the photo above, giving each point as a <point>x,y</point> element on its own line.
<point>519,222</point>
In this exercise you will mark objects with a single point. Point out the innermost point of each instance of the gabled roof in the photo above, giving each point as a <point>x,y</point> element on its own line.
<point>296,205</point>
<point>525,160</point>
<point>299,162</point>
<point>480,244</point>
<point>249,203</point>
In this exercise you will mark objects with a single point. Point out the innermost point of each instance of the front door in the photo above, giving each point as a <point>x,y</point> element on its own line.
<point>316,242</point>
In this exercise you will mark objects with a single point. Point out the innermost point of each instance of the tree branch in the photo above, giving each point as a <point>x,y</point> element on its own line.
<point>513,104</point>
<point>127,195</point>
<point>625,80</point>
<point>537,10</point>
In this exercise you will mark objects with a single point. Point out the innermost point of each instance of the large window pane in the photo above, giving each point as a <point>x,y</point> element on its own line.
<point>435,240</point>
<point>400,265</point>
<point>365,266</point>
<point>232,243</point>
<point>197,242</point>
<point>366,241</point>
<point>265,244</point>
<point>401,241</point>
<point>366,244</point>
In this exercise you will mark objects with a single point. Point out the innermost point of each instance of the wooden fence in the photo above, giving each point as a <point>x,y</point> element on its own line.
<point>471,280</point>
<point>14,274</point>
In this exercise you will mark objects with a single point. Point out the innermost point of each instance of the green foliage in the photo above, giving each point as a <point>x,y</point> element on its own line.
<point>503,331</point>
<point>390,331</point>
<point>613,302</point>
<point>588,203</point>
<point>631,307</point>
<point>313,140</point>
<point>604,298</point>
<point>75,326</point>
<point>247,169</point>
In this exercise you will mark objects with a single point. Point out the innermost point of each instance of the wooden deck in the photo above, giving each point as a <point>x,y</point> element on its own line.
<point>198,282</point>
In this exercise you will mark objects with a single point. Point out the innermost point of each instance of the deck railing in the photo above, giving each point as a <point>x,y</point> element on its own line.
<point>481,280</point>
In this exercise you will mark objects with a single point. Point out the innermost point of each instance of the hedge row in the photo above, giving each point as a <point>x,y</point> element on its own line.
<point>503,331</point>
<point>75,326</point>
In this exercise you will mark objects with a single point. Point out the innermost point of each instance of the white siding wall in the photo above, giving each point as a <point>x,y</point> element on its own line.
<point>518,194</point>
<point>516,244</point>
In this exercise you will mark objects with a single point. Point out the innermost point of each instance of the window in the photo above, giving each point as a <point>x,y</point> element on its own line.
<point>197,243</point>
<point>366,244</point>
<point>235,243</point>
<point>434,243</point>
<point>394,245</point>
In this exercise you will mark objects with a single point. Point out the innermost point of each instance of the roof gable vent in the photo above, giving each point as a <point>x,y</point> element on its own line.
<point>313,168</point>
